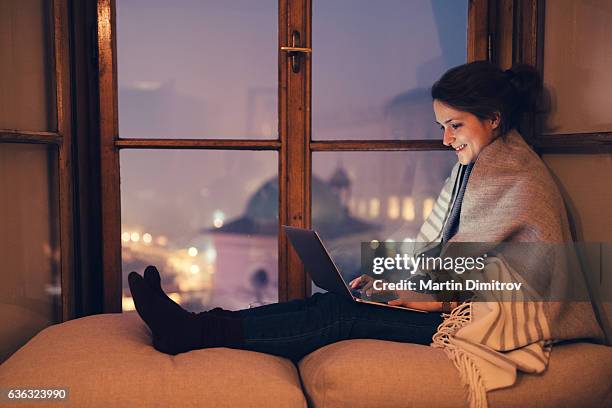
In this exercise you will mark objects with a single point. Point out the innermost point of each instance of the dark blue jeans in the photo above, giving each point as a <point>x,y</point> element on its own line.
<point>295,328</point>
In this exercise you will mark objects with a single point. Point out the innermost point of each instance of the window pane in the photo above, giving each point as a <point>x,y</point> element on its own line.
<point>374,62</point>
<point>204,69</point>
<point>207,219</point>
<point>30,293</point>
<point>577,59</point>
<point>362,196</point>
<point>27,96</point>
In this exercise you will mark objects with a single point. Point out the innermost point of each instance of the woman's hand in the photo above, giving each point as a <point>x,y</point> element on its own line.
<point>360,281</point>
<point>365,283</point>
<point>425,306</point>
<point>416,300</point>
<point>405,298</point>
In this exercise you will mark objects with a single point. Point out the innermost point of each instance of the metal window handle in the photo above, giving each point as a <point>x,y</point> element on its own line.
<point>295,51</point>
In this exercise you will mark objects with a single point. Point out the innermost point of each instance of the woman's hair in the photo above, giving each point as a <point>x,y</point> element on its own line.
<point>483,89</point>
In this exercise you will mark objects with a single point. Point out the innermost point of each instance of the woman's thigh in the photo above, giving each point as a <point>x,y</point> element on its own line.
<point>293,329</point>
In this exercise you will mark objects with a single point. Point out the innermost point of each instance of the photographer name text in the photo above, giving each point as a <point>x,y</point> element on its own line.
<point>429,285</point>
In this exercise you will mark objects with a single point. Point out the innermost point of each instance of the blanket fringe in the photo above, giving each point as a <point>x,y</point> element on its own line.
<point>468,371</point>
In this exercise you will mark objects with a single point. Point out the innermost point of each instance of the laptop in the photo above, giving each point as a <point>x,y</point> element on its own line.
<point>322,269</point>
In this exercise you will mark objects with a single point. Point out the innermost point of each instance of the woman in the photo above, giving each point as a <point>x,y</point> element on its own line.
<point>499,191</point>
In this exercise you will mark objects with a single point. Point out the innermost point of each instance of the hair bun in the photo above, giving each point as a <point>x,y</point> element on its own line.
<point>527,84</point>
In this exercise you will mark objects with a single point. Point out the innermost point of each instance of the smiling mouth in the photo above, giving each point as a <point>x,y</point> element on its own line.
<point>460,147</point>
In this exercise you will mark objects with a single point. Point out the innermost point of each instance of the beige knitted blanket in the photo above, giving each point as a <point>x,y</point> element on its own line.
<point>510,198</point>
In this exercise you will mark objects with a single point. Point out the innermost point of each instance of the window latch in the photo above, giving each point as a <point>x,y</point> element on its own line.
<point>295,51</point>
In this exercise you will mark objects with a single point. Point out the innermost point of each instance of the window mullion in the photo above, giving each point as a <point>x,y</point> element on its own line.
<point>294,127</point>
<point>109,157</point>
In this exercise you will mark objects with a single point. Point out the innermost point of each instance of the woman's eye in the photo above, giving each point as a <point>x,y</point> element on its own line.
<point>455,126</point>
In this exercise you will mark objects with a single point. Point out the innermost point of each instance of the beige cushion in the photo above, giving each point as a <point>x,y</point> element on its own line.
<point>368,373</point>
<point>107,360</point>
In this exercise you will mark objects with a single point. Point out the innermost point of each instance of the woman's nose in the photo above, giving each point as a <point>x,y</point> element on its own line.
<point>447,139</point>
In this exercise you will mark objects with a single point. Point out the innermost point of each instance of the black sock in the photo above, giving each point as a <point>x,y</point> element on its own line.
<point>174,329</point>
<point>153,279</point>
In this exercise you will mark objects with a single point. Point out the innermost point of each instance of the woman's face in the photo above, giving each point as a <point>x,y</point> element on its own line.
<point>464,131</point>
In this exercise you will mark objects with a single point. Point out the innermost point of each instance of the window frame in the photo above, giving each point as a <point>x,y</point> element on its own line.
<point>294,144</point>
<point>61,138</point>
<point>527,17</point>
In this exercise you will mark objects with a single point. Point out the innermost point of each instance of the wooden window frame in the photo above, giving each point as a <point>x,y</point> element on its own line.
<point>522,26</point>
<point>293,143</point>
<point>62,139</point>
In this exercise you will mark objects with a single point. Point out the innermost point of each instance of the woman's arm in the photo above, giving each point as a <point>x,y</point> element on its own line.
<point>426,305</point>
<point>406,298</point>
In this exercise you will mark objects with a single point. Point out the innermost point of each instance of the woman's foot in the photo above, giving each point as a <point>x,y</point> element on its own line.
<point>153,279</point>
<point>174,329</point>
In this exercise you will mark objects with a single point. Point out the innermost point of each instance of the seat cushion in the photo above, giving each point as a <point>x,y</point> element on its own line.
<point>368,373</point>
<point>108,360</point>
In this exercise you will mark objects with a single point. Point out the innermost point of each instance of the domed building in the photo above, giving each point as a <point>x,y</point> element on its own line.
<point>330,216</point>
<point>246,263</point>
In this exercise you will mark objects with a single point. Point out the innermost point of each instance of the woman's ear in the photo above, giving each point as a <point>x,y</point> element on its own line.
<point>495,120</point>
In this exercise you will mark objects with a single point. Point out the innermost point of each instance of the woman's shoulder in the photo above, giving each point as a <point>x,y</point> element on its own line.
<point>529,169</point>
<point>511,160</point>
<point>516,184</point>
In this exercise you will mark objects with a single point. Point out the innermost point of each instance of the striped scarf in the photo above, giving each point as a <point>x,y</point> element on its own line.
<point>431,230</point>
